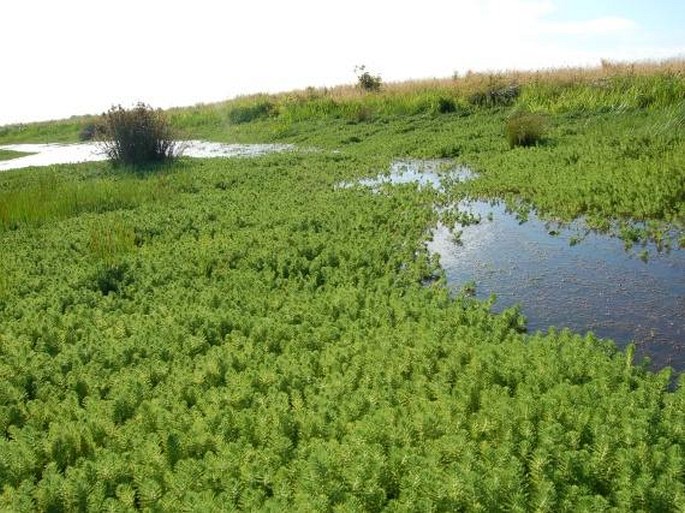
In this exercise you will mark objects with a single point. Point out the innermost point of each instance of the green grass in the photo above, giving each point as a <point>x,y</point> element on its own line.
<point>10,154</point>
<point>52,194</point>
<point>63,131</point>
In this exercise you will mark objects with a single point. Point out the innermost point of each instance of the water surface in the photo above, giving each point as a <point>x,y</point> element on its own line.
<point>594,285</point>
<point>55,153</point>
<point>567,277</point>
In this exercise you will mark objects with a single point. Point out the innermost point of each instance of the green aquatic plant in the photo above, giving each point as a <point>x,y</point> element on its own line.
<point>246,334</point>
<point>279,344</point>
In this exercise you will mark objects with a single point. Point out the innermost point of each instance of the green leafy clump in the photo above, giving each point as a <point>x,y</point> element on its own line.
<point>366,81</point>
<point>446,105</point>
<point>137,136</point>
<point>525,128</point>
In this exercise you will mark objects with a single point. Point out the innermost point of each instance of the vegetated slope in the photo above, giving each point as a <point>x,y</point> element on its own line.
<point>612,153</point>
<point>258,338</point>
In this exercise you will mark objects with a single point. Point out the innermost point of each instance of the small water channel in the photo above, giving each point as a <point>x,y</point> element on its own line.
<point>593,285</point>
<point>55,153</point>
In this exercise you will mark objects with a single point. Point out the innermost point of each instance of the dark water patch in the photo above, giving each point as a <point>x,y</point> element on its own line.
<point>594,285</point>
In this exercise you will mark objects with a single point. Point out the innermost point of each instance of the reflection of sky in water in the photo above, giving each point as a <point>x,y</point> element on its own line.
<point>425,173</point>
<point>592,286</point>
<point>49,154</point>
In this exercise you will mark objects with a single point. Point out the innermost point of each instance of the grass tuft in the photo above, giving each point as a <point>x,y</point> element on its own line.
<point>525,129</point>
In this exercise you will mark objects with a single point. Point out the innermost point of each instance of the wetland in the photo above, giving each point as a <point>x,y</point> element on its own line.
<point>559,275</point>
<point>314,330</point>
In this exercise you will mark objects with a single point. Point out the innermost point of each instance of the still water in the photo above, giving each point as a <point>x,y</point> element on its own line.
<point>54,153</point>
<point>594,285</point>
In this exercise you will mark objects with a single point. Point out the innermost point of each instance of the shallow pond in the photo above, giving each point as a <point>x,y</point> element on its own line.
<point>593,285</point>
<point>54,153</point>
<point>425,173</point>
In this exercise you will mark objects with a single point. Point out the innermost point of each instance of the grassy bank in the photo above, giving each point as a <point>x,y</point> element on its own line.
<point>9,154</point>
<point>247,335</point>
<point>609,88</point>
<point>613,150</point>
<point>63,131</point>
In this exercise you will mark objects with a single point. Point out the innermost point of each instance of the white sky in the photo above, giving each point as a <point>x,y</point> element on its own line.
<point>64,57</point>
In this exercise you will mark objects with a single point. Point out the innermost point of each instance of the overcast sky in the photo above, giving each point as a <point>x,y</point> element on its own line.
<point>66,57</point>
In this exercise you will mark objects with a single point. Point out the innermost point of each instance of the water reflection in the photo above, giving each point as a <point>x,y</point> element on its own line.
<point>594,285</point>
<point>425,173</point>
<point>54,153</point>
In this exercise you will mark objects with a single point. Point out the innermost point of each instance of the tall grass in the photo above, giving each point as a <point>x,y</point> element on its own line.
<point>49,199</point>
<point>609,87</point>
<point>109,239</point>
<point>604,88</point>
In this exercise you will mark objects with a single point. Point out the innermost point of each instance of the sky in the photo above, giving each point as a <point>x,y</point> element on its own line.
<point>73,57</point>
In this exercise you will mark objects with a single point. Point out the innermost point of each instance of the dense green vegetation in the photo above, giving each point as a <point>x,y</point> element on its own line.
<point>261,338</point>
<point>613,144</point>
<point>44,132</point>
<point>245,334</point>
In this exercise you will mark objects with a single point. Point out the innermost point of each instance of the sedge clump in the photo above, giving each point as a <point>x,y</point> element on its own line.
<point>526,129</point>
